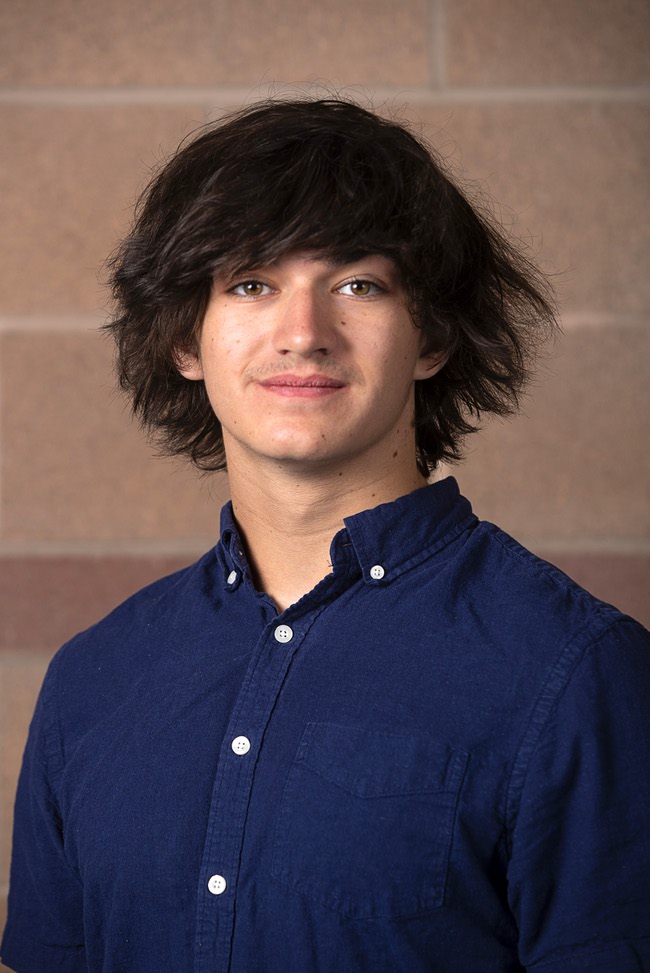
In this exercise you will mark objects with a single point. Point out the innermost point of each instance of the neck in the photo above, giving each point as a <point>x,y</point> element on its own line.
<point>287,517</point>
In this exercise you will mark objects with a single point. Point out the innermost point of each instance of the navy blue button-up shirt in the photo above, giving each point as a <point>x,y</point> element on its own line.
<point>437,760</point>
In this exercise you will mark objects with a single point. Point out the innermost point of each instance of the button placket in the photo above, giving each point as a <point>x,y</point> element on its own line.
<point>234,779</point>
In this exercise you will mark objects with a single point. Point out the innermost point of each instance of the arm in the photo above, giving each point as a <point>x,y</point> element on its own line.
<point>579,877</point>
<point>44,925</point>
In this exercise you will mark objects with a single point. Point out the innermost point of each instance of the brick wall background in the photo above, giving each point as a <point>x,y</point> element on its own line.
<point>545,105</point>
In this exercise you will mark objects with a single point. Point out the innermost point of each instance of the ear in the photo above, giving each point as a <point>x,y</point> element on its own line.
<point>189,365</point>
<point>427,365</point>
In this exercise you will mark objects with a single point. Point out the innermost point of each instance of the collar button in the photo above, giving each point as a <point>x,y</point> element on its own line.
<point>377,572</point>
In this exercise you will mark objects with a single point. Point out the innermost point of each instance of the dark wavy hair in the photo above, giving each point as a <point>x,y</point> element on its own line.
<point>330,176</point>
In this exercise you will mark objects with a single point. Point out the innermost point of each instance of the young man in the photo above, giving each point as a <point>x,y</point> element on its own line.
<point>366,732</point>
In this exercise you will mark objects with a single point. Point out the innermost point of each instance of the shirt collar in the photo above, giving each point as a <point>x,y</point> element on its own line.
<point>231,551</point>
<point>395,536</point>
<point>387,540</point>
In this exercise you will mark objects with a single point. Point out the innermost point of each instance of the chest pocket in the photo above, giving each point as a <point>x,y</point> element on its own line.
<point>366,821</point>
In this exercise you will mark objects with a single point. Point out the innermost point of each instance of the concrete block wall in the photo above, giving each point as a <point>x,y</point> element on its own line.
<point>545,106</point>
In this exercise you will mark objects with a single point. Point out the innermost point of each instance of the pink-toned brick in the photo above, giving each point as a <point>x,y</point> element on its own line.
<point>47,600</point>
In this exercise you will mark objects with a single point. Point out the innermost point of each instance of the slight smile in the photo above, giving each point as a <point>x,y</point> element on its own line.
<point>302,386</point>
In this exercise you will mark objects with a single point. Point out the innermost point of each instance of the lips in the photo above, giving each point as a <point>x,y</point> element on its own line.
<point>303,381</point>
<point>305,386</point>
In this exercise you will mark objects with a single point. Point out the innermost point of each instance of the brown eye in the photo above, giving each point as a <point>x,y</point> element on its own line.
<point>360,288</point>
<point>250,288</point>
<point>253,288</point>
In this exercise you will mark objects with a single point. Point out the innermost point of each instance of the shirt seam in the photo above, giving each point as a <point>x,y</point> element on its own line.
<point>52,736</point>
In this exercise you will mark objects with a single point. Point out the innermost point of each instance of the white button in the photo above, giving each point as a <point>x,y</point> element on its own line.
<point>377,572</point>
<point>217,884</point>
<point>241,745</point>
<point>232,577</point>
<point>283,633</point>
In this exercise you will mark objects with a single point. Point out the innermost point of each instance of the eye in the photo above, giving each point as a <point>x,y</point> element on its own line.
<point>250,288</point>
<point>360,288</point>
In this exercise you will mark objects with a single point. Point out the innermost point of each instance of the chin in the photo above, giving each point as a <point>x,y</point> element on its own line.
<point>300,448</point>
<point>303,455</point>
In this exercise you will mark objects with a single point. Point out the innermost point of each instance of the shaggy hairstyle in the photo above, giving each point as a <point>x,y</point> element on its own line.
<point>328,176</point>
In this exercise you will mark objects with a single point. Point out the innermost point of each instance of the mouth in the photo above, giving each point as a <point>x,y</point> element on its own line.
<point>302,386</point>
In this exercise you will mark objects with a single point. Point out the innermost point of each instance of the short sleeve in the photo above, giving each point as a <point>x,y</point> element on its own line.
<point>579,874</point>
<point>44,928</point>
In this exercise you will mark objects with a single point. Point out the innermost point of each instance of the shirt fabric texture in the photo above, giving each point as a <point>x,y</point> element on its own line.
<point>437,760</point>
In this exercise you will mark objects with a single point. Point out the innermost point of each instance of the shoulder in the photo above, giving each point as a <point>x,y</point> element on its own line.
<point>94,670</point>
<point>150,610</point>
<point>527,592</point>
<point>592,659</point>
<point>520,621</point>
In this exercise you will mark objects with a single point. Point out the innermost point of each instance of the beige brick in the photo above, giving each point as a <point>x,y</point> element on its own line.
<point>342,43</point>
<point>3,922</point>
<point>68,179</point>
<point>46,600</point>
<point>99,43</point>
<point>75,467</point>
<point>575,179</point>
<point>556,42</point>
<point>575,174</point>
<point>576,465</point>
<point>20,680</point>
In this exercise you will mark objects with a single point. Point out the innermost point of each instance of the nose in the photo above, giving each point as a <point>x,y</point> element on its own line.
<point>305,325</point>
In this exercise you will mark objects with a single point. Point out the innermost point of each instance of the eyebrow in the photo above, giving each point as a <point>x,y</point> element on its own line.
<point>332,260</point>
<point>335,261</point>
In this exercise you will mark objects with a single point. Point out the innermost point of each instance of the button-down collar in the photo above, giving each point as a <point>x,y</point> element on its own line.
<point>392,536</point>
<point>395,536</point>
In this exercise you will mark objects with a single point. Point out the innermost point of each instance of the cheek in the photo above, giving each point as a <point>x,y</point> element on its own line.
<point>218,359</point>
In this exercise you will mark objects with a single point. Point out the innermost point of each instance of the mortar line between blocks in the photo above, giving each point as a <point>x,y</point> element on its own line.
<point>225,97</point>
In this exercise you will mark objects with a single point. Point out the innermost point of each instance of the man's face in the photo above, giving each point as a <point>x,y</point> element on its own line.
<point>311,363</point>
